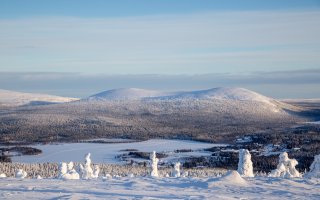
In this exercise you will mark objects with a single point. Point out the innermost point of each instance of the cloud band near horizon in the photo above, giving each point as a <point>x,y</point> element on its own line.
<point>277,84</point>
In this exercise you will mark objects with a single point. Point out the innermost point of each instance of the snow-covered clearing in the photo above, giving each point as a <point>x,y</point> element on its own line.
<point>160,188</point>
<point>105,153</point>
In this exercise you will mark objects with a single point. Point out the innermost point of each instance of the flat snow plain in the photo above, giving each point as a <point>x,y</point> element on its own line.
<point>106,152</point>
<point>161,188</point>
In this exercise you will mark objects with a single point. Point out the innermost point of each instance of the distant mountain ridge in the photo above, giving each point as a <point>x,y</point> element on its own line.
<point>13,98</point>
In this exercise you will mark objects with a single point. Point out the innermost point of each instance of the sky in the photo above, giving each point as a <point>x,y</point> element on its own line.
<point>78,48</point>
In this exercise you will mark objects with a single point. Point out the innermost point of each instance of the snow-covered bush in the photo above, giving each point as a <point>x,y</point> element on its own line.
<point>154,164</point>
<point>245,164</point>
<point>21,173</point>
<point>3,175</point>
<point>314,168</point>
<point>286,167</point>
<point>176,170</point>
<point>86,170</point>
<point>67,171</point>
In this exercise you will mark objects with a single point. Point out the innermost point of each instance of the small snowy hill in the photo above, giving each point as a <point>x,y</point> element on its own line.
<point>126,94</point>
<point>12,98</point>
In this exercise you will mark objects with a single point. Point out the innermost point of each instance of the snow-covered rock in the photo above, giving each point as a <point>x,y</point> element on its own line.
<point>286,167</point>
<point>314,168</point>
<point>21,174</point>
<point>154,164</point>
<point>176,170</point>
<point>245,167</point>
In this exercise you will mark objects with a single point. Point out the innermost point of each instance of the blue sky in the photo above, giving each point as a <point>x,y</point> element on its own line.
<point>167,38</point>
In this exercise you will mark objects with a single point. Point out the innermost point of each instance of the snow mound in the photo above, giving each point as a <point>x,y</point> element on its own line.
<point>21,174</point>
<point>126,94</point>
<point>12,98</point>
<point>232,177</point>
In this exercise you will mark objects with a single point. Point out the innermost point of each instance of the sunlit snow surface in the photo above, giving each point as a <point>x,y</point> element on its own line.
<point>105,153</point>
<point>160,188</point>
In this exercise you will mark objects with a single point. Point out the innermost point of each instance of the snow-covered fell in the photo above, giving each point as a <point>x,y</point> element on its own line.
<point>12,98</point>
<point>240,94</point>
<point>127,94</point>
<point>220,93</point>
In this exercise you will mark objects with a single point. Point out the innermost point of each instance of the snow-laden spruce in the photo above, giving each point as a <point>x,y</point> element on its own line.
<point>86,170</point>
<point>66,171</point>
<point>245,164</point>
<point>21,174</point>
<point>154,164</point>
<point>286,167</point>
<point>176,170</point>
<point>314,168</point>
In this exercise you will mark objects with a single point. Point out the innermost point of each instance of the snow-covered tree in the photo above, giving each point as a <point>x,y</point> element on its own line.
<point>245,164</point>
<point>96,171</point>
<point>86,170</point>
<point>176,170</point>
<point>63,169</point>
<point>286,167</point>
<point>154,164</point>
<point>314,168</point>
<point>21,173</point>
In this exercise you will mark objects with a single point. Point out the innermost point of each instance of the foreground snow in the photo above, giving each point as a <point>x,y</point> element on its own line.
<point>160,188</point>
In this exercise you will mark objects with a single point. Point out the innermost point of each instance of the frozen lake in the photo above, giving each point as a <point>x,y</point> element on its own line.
<point>105,152</point>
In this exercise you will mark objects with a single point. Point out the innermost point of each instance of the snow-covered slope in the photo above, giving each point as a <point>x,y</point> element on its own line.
<point>12,98</point>
<point>127,94</point>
